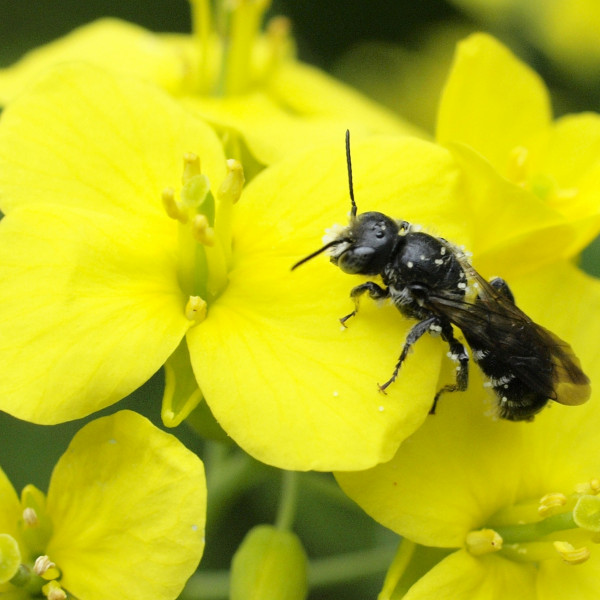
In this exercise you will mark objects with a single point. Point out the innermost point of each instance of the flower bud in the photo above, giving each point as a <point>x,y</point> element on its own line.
<point>270,563</point>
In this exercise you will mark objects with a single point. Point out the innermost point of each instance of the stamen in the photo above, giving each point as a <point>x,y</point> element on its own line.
<point>278,43</point>
<point>228,194</point>
<point>551,504</point>
<point>195,309</point>
<point>30,518</point>
<point>484,541</point>
<point>202,25</point>
<point>42,565</point>
<point>171,207</point>
<point>54,591</point>
<point>244,25</point>
<point>571,555</point>
<point>191,167</point>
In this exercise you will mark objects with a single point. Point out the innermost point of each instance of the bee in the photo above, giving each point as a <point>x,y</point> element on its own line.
<point>431,281</point>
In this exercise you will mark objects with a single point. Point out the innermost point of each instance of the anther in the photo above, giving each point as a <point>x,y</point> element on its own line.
<point>171,207</point>
<point>30,518</point>
<point>195,309</point>
<point>42,565</point>
<point>53,591</point>
<point>231,188</point>
<point>191,166</point>
<point>484,541</point>
<point>570,554</point>
<point>551,504</point>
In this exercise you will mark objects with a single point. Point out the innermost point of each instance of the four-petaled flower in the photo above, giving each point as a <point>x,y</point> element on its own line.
<point>124,517</point>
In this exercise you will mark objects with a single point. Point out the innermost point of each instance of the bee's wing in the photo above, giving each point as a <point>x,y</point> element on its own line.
<point>571,384</point>
<point>539,358</point>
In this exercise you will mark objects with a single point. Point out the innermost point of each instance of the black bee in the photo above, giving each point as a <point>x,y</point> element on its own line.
<point>432,281</point>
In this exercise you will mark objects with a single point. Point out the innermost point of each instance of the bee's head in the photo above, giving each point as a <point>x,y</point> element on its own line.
<point>364,246</point>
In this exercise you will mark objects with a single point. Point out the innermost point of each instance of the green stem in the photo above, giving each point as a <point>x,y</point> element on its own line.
<point>530,532</point>
<point>229,475</point>
<point>289,496</point>
<point>349,566</point>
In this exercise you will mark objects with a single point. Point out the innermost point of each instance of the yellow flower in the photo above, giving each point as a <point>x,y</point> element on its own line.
<point>101,287</point>
<point>565,30</point>
<point>246,83</point>
<point>496,106</point>
<point>124,517</point>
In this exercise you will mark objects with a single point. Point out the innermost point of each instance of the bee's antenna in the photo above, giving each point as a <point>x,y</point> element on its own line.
<point>319,251</point>
<point>349,163</point>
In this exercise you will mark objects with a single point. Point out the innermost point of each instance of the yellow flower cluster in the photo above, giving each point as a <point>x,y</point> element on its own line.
<point>129,243</point>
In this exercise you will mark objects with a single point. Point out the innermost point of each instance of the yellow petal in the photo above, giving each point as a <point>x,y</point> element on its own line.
<point>307,91</point>
<point>84,137</point>
<point>272,131</point>
<point>128,503</point>
<point>568,156</point>
<point>460,467</point>
<point>10,510</point>
<point>514,231</point>
<point>110,43</point>
<point>461,576</point>
<point>277,371</point>
<point>492,101</point>
<point>90,308</point>
<point>561,581</point>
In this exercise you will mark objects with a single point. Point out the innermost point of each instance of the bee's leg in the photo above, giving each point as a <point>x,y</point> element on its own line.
<point>413,335</point>
<point>375,291</point>
<point>459,354</point>
<point>502,288</point>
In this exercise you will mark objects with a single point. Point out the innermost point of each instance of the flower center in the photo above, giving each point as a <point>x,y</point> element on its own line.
<point>203,232</point>
<point>557,525</point>
<point>520,172</point>
<point>232,54</point>
<point>24,563</point>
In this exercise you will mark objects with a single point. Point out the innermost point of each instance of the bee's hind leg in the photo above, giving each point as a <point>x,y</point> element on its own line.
<point>414,334</point>
<point>459,354</point>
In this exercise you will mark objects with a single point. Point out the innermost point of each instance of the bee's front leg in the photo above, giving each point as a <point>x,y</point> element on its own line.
<point>376,292</point>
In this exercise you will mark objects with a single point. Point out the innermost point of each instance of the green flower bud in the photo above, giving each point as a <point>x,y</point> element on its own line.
<point>270,563</point>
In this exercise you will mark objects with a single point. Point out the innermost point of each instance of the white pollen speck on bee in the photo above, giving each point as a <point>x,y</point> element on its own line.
<point>442,250</point>
<point>462,285</point>
<point>410,264</point>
